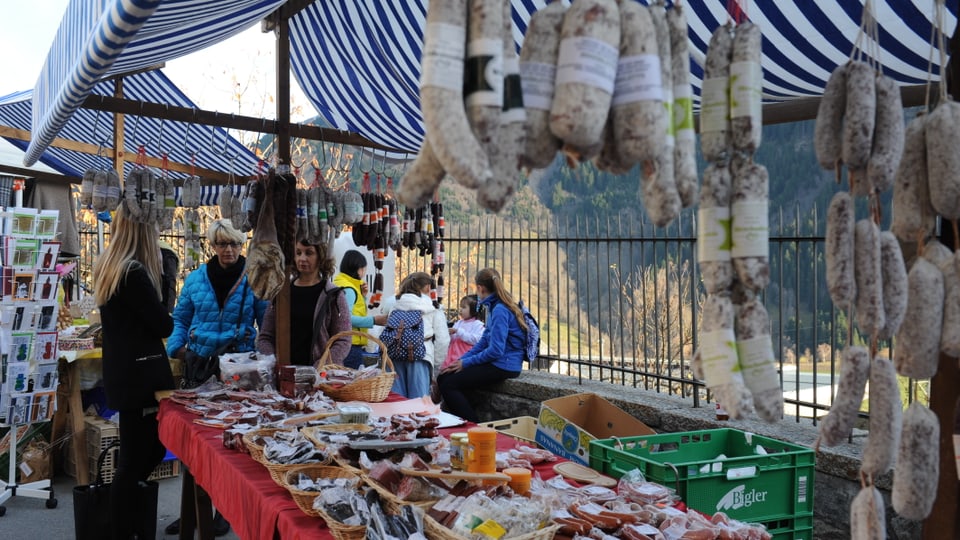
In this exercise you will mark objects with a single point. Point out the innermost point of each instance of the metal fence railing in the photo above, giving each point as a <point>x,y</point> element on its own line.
<point>618,300</point>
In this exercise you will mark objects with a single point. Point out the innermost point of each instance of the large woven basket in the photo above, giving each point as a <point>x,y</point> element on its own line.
<point>372,389</point>
<point>436,531</point>
<point>279,470</point>
<point>304,499</point>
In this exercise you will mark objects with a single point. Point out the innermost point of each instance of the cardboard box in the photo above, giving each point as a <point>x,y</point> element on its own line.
<point>568,424</point>
<point>522,428</point>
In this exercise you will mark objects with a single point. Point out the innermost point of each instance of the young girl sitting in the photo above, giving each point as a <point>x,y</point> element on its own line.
<point>466,332</point>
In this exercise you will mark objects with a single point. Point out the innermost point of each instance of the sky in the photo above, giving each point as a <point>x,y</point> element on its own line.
<point>234,76</point>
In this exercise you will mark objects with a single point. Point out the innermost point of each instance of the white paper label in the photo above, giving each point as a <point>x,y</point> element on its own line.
<point>668,141</point>
<point>441,65</point>
<point>713,234</point>
<point>587,61</point>
<point>637,79</point>
<point>714,105</point>
<point>484,72</point>
<point>683,128</point>
<point>757,364</point>
<point>746,90</point>
<point>749,229</point>
<point>25,468</point>
<point>536,79</point>
<point>718,350</point>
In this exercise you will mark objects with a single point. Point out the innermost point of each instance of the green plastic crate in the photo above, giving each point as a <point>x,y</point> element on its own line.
<point>773,488</point>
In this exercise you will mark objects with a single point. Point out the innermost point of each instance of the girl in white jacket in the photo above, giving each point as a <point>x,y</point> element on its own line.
<point>413,378</point>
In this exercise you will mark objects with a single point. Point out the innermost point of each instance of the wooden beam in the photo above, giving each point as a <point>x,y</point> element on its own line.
<point>93,149</point>
<point>228,121</point>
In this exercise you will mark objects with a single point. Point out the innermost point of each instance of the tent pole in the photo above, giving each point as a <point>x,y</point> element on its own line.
<point>118,120</point>
<point>282,32</point>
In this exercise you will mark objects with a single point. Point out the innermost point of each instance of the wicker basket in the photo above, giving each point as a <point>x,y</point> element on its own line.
<point>372,389</point>
<point>436,531</point>
<point>391,503</point>
<point>304,499</point>
<point>256,448</point>
<point>312,432</point>
<point>278,471</point>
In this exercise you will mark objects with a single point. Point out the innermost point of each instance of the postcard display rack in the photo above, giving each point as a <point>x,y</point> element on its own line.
<point>28,333</point>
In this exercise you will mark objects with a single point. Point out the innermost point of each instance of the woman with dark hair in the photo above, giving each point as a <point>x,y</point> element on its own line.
<point>496,357</point>
<point>413,378</point>
<point>127,281</point>
<point>318,310</point>
<point>353,268</point>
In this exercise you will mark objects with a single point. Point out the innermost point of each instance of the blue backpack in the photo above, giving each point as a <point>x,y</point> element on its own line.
<point>532,347</point>
<point>403,336</point>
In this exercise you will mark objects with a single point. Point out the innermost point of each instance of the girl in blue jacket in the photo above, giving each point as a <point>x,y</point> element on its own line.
<point>496,357</point>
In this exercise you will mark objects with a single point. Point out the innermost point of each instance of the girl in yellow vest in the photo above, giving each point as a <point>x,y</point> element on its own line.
<point>353,268</point>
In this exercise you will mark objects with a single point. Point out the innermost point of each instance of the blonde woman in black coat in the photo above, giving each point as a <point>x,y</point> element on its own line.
<point>127,284</point>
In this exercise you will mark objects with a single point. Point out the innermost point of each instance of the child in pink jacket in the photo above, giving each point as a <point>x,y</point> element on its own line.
<point>466,332</point>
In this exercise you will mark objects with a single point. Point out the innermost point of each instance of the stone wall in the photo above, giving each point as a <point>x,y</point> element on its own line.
<point>837,477</point>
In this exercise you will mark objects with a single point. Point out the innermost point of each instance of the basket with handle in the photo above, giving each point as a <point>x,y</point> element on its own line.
<point>314,433</point>
<point>304,499</point>
<point>371,389</point>
<point>253,440</point>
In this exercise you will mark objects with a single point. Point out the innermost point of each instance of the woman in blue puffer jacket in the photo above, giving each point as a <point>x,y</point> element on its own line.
<point>209,305</point>
<point>209,308</point>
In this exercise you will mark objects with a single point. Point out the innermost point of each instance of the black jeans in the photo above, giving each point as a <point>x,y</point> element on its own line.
<point>140,453</point>
<point>452,386</point>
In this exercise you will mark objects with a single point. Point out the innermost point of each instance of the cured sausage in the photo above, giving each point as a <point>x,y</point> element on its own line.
<point>828,129</point>
<point>659,191</point>
<point>719,357</point>
<point>713,229</point>
<point>483,84</point>
<point>441,94</point>
<point>867,517</point>
<point>950,332</point>
<point>684,134</point>
<point>715,104</point>
<point>586,72</point>
<point>746,86</point>
<point>538,72</point>
<point>943,161</point>
<point>749,229</point>
<point>755,351</point>
<point>918,341</point>
<point>86,187</point>
<point>858,122</point>
<point>513,119</point>
<point>854,371</point>
<point>894,278</point>
<point>640,120</point>
<point>887,136</point>
<point>913,215</point>
<point>422,178</point>
<point>868,274</point>
<point>918,463</point>
<point>886,411</point>
<point>839,250</point>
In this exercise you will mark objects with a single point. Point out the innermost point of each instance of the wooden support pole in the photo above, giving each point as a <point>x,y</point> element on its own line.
<point>282,301</point>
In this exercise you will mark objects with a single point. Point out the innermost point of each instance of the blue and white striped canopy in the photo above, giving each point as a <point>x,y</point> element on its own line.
<point>100,38</point>
<point>211,148</point>
<point>359,60</point>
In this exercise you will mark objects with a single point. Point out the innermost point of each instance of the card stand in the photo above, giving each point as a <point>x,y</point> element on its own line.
<point>35,490</point>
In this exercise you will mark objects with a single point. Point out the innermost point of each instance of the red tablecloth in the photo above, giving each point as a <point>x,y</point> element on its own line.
<point>242,489</point>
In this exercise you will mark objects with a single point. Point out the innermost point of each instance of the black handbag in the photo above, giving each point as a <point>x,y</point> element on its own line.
<point>91,506</point>
<point>198,369</point>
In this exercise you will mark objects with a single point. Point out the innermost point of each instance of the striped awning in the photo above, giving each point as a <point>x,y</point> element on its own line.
<point>100,38</point>
<point>206,147</point>
<point>358,61</point>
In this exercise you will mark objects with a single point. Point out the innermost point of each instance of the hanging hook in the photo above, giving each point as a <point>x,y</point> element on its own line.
<point>136,125</point>
<point>383,163</point>
<point>360,161</point>
<point>323,151</point>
